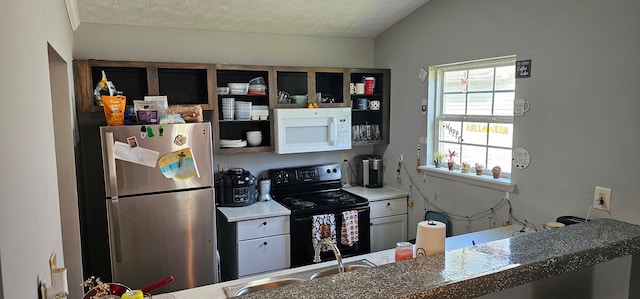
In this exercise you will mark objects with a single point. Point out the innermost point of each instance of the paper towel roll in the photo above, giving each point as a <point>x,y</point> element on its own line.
<point>59,280</point>
<point>430,238</point>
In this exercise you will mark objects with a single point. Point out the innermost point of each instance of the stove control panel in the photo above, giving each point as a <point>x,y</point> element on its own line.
<point>305,174</point>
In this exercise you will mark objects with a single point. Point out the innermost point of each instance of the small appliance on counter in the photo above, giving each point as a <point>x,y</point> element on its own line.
<point>236,187</point>
<point>265,189</point>
<point>369,171</point>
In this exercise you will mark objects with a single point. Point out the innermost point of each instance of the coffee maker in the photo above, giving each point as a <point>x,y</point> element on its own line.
<point>369,171</point>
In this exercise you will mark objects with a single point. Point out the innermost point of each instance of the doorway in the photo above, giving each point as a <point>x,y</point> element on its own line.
<point>63,128</point>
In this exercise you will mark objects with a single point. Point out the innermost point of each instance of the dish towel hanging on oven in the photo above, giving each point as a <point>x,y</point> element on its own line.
<point>349,234</point>
<point>322,227</point>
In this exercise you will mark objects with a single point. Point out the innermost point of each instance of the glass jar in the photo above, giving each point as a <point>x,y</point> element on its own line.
<point>404,251</point>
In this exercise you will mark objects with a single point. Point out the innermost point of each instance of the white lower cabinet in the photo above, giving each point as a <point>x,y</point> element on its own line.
<point>388,223</point>
<point>387,231</point>
<point>263,254</point>
<point>253,246</point>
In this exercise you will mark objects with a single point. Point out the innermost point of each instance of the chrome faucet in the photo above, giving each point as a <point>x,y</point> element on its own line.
<point>334,248</point>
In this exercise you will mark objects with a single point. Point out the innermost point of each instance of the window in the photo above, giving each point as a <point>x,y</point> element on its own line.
<point>474,112</point>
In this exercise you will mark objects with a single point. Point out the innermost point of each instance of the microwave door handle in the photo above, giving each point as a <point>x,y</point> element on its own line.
<point>332,131</point>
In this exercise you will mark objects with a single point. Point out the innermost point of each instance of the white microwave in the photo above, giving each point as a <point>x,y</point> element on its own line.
<point>302,130</point>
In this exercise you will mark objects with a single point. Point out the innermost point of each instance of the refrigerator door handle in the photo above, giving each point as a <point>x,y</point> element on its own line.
<point>113,190</point>
<point>115,218</point>
<point>111,166</point>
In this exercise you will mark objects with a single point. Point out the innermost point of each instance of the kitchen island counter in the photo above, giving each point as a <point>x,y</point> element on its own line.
<point>465,272</point>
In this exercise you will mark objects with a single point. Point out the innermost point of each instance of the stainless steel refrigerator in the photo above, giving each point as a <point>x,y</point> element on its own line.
<point>160,204</point>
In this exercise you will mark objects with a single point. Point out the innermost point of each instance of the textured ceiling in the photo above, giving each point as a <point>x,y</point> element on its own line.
<point>335,18</point>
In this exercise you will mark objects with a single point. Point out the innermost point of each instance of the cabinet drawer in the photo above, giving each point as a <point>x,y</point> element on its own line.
<point>263,254</point>
<point>263,227</point>
<point>389,207</point>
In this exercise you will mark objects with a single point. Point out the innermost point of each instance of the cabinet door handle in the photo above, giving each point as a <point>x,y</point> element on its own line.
<point>388,204</point>
<point>264,223</point>
<point>265,243</point>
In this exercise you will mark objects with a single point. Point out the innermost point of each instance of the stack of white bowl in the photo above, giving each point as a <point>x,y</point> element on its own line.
<point>243,110</point>
<point>254,138</point>
<point>228,108</point>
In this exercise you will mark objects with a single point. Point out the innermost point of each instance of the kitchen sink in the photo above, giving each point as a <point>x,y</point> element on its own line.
<point>291,278</point>
<point>335,270</point>
<point>267,285</point>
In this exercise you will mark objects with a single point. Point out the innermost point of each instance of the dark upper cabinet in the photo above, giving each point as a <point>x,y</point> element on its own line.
<point>182,83</point>
<point>370,111</point>
<point>194,83</point>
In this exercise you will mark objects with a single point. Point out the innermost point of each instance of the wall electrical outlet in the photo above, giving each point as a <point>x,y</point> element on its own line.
<point>602,198</point>
<point>344,157</point>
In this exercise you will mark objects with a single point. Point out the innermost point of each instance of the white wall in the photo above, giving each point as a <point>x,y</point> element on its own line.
<point>131,43</point>
<point>29,210</point>
<point>581,129</point>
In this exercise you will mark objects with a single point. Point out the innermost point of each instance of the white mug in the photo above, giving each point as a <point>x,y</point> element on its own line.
<point>374,105</point>
<point>359,88</point>
<point>520,106</point>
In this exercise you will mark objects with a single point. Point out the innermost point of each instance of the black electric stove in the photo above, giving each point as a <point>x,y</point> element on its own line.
<point>310,191</point>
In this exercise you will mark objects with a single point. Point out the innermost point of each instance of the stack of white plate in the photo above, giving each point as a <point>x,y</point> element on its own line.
<point>243,110</point>
<point>228,108</point>
<point>232,143</point>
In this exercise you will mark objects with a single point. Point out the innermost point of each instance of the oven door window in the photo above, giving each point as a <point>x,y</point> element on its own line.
<point>302,250</point>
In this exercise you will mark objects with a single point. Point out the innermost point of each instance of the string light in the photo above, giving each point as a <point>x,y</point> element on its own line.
<point>489,213</point>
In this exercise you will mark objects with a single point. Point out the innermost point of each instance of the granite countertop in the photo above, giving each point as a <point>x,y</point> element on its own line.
<point>261,209</point>
<point>215,291</point>
<point>480,269</point>
<point>375,194</point>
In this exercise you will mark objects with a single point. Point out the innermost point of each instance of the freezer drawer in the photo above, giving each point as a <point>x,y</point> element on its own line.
<point>154,236</point>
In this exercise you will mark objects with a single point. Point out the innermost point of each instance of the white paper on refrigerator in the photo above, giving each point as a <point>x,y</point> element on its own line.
<point>137,155</point>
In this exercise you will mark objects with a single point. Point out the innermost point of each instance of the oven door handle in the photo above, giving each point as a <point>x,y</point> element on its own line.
<point>310,217</point>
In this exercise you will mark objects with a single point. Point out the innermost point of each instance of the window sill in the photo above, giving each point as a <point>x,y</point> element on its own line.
<point>470,178</point>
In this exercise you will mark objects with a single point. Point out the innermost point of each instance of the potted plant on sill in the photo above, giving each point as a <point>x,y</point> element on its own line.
<point>437,159</point>
<point>451,157</point>
<point>496,172</point>
<point>466,167</point>
<point>479,169</point>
